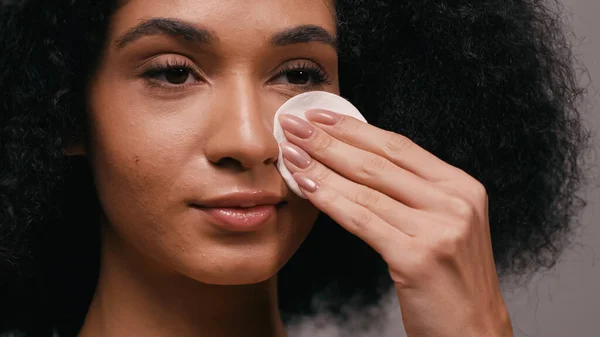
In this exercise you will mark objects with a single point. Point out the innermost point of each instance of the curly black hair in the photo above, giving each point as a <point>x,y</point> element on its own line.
<point>486,85</point>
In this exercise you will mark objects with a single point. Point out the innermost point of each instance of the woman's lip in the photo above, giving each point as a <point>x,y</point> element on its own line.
<point>240,219</point>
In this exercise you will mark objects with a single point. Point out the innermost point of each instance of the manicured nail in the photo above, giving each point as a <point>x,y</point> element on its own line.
<point>306,183</point>
<point>295,155</point>
<point>296,126</point>
<point>323,116</point>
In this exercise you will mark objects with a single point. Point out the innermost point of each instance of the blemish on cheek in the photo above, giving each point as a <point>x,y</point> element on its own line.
<point>137,160</point>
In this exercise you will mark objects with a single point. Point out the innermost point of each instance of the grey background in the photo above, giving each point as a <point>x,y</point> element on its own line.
<point>566,301</point>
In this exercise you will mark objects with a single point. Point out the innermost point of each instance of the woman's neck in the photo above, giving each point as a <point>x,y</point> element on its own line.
<point>137,298</point>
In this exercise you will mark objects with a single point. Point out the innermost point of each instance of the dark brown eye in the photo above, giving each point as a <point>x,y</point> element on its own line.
<point>176,75</point>
<point>305,75</point>
<point>298,77</point>
<point>172,75</point>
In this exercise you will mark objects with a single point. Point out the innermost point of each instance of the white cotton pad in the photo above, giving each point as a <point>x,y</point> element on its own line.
<point>297,106</point>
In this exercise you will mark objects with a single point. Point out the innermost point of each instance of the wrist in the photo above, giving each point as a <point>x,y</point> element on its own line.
<point>496,324</point>
<point>503,325</point>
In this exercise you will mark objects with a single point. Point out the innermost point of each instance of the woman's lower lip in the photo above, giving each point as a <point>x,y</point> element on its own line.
<point>240,219</point>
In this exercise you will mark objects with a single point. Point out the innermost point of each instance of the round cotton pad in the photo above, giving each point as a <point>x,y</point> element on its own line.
<point>297,106</point>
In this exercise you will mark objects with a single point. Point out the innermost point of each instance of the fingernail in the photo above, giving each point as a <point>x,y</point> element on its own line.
<point>296,126</point>
<point>295,155</point>
<point>306,183</point>
<point>323,116</point>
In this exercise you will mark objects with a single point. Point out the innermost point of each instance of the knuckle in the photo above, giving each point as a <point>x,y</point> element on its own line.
<point>346,127</point>
<point>320,174</point>
<point>420,261</point>
<point>365,197</point>
<point>329,199</point>
<point>463,209</point>
<point>372,165</point>
<point>396,143</point>
<point>444,248</point>
<point>448,244</point>
<point>360,220</point>
<point>322,143</point>
<point>398,270</point>
<point>479,192</point>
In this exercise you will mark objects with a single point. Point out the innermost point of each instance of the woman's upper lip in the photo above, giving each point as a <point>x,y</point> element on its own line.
<point>242,199</point>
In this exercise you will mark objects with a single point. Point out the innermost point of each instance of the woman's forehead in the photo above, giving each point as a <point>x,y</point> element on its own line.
<point>259,16</point>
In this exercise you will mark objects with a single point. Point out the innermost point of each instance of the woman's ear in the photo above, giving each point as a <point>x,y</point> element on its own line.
<point>74,147</point>
<point>74,150</point>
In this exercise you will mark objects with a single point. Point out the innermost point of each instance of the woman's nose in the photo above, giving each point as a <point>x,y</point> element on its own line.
<point>243,137</point>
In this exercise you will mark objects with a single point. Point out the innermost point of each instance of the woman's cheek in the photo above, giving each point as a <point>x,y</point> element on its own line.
<point>138,150</point>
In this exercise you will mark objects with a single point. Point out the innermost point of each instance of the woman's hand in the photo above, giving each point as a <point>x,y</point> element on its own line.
<point>426,218</point>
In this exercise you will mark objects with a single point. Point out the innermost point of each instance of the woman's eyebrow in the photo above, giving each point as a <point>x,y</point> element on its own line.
<point>174,27</point>
<point>165,26</point>
<point>304,34</point>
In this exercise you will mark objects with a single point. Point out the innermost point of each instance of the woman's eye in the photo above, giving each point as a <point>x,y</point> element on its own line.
<point>172,75</point>
<point>298,77</point>
<point>177,75</point>
<point>302,77</point>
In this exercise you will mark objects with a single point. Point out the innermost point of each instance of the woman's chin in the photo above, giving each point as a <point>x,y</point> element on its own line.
<point>236,270</point>
<point>235,279</point>
<point>232,276</point>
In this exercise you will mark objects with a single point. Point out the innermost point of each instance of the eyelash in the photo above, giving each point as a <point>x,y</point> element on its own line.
<point>318,76</point>
<point>158,69</point>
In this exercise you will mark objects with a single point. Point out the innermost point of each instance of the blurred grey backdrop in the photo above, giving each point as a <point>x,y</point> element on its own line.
<point>566,301</point>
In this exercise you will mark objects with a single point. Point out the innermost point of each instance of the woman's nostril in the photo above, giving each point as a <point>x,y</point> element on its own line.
<point>229,162</point>
<point>270,160</point>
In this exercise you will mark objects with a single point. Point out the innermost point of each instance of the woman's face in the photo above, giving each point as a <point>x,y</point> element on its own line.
<point>181,111</point>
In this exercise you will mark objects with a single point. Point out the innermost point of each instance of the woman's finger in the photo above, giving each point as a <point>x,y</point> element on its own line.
<point>395,147</point>
<point>364,167</point>
<point>356,219</point>
<point>391,211</point>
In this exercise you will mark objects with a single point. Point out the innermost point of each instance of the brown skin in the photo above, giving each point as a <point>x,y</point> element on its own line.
<point>157,145</point>
<point>166,270</point>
